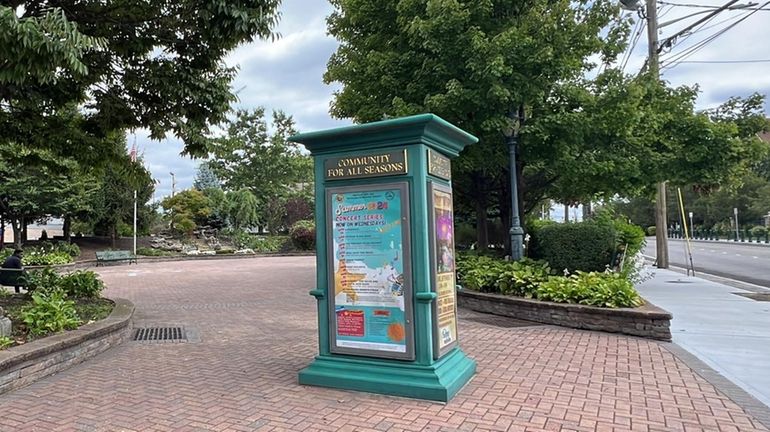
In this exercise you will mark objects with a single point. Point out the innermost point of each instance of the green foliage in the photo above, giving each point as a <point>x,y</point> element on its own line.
<point>758,231</point>
<point>479,273</point>
<point>584,246</point>
<point>242,206</point>
<point>259,244</point>
<point>157,65</point>
<point>189,209</point>
<point>533,279</point>
<point>498,69</point>
<point>50,312</point>
<point>46,279</point>
<point>205,178</point>
<point>651,230</point>
<point>267,164</point>
<point>81,284</point>
<point>146,251</point>
<point>4,292</point>
<point>270,244</point>
<point>5,342</point>
<point>302,235</point>
<point>601,289</point>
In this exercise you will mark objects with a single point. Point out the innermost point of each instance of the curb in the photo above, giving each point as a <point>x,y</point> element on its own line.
<point>746,401</point>
<point>716,277</point>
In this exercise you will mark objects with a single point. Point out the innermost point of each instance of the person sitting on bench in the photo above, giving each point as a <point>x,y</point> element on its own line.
<point>14,262</point>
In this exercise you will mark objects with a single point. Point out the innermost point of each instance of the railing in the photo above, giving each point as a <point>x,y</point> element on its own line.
<point>744,236</point>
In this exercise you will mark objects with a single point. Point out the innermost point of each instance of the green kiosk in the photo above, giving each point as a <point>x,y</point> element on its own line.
<point>387,317</point>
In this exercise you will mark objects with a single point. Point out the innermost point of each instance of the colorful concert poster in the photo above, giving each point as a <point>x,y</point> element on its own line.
<point>368,261</point>
<point>443,229</point>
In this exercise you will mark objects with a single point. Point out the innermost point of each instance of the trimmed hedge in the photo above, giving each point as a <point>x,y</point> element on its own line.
<point>584,246</point>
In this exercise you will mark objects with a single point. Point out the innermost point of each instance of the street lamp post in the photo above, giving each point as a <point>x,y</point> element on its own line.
<point>737,232</point>
<point>516,232</point>
<point>692,227</point>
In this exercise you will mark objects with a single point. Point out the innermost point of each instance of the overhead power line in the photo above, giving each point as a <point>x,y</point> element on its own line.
<point>727,61</point>
<point>749,6</point>
<point>678,58</point>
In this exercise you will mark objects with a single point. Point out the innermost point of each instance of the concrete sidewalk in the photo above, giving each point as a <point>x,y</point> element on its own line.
<point>727,331</point>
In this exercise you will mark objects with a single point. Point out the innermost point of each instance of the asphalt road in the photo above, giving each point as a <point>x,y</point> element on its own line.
<point>731,260</point>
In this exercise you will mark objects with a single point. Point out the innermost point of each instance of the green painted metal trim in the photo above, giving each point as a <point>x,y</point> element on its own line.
<point>319,294</point>
<point>439,381</point>
<point>426,296</point>
<point>423,128</point>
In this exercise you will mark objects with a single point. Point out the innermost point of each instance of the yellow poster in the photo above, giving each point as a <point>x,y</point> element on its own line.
<point>446,316</point>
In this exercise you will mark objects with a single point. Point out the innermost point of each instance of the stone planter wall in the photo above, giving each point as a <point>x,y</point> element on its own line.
<point>648,321</point>
<point>25,364</point>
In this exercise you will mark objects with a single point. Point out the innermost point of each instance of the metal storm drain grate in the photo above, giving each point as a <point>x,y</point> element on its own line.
<point>160,334</point>
<point>763,297</point>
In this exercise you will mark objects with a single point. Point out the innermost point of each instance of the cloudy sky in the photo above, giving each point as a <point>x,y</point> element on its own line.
<point>287,74</point>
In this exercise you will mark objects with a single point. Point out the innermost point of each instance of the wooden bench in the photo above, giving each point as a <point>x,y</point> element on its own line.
<point>13,277</point>
<point>114,256</point>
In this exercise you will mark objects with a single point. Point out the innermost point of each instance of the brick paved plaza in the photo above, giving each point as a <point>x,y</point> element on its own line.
<point>257,329</point>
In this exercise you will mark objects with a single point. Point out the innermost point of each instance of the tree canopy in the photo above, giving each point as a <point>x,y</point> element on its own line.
<point>157,65</point>
<point>500,68</point>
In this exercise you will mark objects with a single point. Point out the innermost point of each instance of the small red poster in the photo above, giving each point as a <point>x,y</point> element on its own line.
<point>350,323</point>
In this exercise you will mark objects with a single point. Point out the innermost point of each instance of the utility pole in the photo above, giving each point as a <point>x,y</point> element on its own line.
<point>173,185</point>
<point>661,224</point>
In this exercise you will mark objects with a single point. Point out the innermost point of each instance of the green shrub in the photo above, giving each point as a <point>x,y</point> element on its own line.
<point>124,229</point>
<point>521,278</point>
<point>146,251</point>
<point>270,244</point>
<point>81,284</point>
<point>602,289</point>
<point>532,279</point>
<point>240,238</point>
<point>45,259</point>
<point>302,235</point>
<point>651,230</point>
<point>628,237</point>
<point>5,342</point>
<point>584,246</point>
<point>50,312</point>
<point>42,280</point>
<point>758,231</point>
<point>70,248</point>
<point>479,273</point>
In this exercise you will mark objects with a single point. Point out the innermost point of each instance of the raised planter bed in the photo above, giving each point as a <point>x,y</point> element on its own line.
<point>648,321</point>
<point>25,364</point>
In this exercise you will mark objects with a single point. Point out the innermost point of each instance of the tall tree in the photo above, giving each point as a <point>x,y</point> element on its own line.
<point>259,157</point>
<point>502,67</point>
<point>157,64</point>
<point>205,178</point>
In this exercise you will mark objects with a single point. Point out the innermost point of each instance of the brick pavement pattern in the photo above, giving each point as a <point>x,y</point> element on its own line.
<point>257,329</point>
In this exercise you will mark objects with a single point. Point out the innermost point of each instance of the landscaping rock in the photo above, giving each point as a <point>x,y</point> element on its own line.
<point>244,251</point>
<point>5,326</point>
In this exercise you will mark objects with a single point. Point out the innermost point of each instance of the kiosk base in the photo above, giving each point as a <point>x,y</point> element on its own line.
<point>439,381</point>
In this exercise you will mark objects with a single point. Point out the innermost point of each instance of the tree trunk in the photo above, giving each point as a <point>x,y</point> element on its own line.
<point>114,236</point>
<point>16,226</point>
<point>587,210</point>
<point>2,233</point>
<point>67,229</point>
<point>24,238</point>
<point>482,226</point>
<point>566,213</point>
